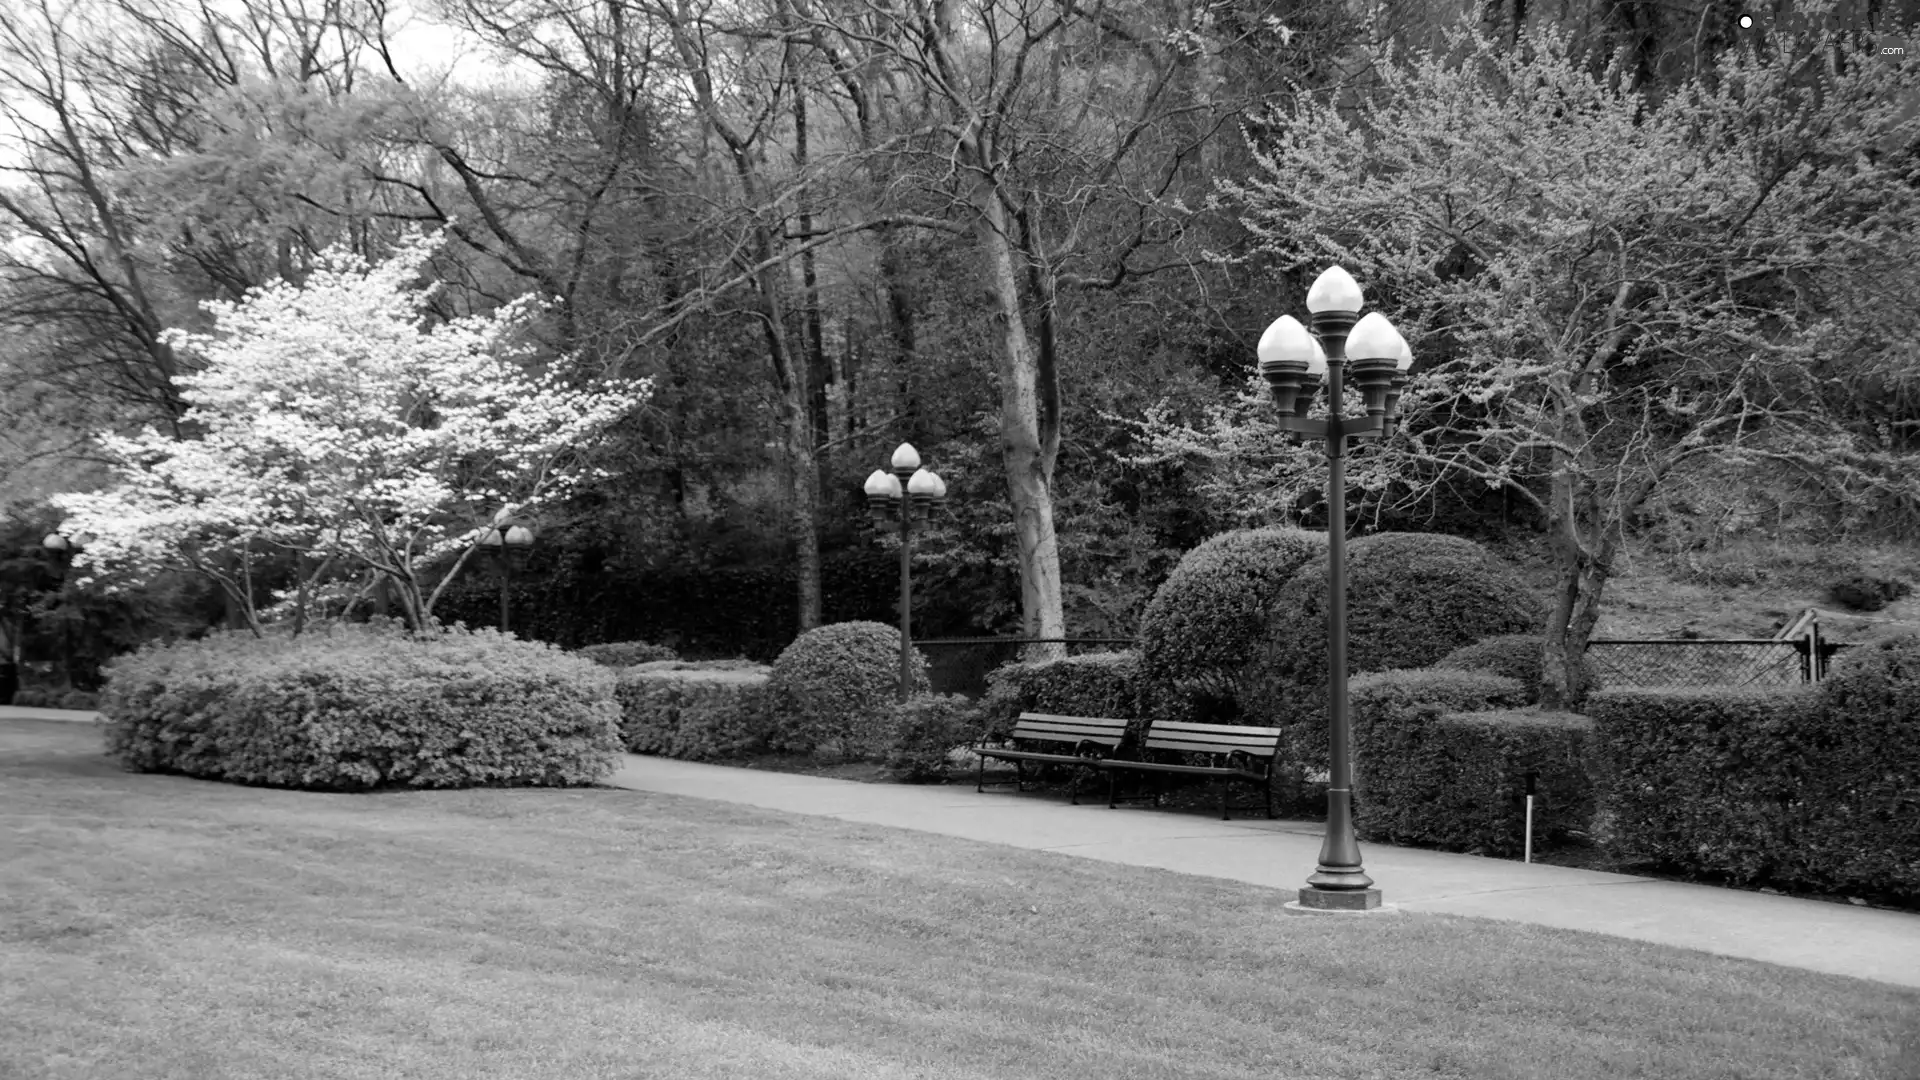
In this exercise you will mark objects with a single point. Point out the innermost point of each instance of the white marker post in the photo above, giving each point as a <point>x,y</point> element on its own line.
<point>1528,857</point>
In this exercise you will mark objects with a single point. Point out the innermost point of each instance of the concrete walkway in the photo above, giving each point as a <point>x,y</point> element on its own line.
<point>1835,938</point>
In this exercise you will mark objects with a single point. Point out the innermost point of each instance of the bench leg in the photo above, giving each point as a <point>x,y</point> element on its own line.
<point>1266,788</point>
<point>1073,786</point>
<point>1019,776</point>
<point>1113,787</point>
<point>1224,788</point>
<point>980,778</point>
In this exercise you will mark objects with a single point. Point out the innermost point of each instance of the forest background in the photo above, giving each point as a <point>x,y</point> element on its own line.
<point>1659,269</point>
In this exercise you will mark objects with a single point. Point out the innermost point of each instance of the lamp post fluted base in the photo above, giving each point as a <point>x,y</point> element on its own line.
<point>1317,899</point>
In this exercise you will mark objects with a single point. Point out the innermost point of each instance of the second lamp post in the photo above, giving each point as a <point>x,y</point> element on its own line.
<point>906,493</point>
<point>506,542</point>
<point>1289,356</point>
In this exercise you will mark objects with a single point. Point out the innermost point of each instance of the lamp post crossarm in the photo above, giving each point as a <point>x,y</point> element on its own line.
<point>1353,427</point>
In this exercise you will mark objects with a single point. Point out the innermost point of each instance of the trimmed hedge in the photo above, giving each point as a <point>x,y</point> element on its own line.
<point>1457,781</point>
<point>1094,684</point>
<point>1412,598</point>
<point>619,654</point>
<point>358,706</point>
<point>1210,615</point>
<point>833,690</point>
<point>928,728</point>
<point>1813,788</point>
<point>1516,656</point>
<point>80,700</point>
<point>699,715</point>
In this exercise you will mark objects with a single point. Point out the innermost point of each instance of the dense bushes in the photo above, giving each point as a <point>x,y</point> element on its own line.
<point>1211,613</point>
<point>348,707</point>
<point>693,713</point>
<point>1864,592</point>
<point>1412,598</point>
<point>1096,684</point>
<point>80,700</point>
<point>1457,781</point>
<point>1811,788</point>
<point>927,728</point>
<point>620,654</point>
<point>833,690</point>
<point>1516,656</point>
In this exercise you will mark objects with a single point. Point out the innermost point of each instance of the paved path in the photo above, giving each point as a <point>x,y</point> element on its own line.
<point>1836,938</point>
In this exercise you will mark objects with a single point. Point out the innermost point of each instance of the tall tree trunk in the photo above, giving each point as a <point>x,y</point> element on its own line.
<point>1026,449</point>
<point>819,373</point>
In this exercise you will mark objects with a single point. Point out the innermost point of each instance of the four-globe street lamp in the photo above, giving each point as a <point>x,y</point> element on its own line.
<point>887,504</point>
<point>1380,359</point>
<point>506,542</point>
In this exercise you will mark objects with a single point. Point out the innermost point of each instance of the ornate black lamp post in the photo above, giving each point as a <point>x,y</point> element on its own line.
<point>506,546</point>
<point>1380,358</point>
<point>885,502</point>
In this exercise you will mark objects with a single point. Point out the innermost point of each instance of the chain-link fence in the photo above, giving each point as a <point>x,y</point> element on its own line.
<point>1697,662</point>
<point>960,665</point>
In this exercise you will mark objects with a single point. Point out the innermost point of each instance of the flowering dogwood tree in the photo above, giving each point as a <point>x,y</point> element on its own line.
<point>1603,290</point>
<point>335,421</point>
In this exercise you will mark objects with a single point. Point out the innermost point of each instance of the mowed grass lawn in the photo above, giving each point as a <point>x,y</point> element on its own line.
<point>161,927</point>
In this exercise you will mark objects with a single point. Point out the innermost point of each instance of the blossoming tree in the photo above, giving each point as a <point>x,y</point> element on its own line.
<point>334,421</point>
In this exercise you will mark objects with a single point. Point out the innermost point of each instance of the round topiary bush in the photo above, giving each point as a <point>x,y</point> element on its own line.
<point>1516,656</point>
<point>620,654</point>
<point>349,706</point>
<point>1412,598</point>
<point>833,690</point>
<point>1210,615</point>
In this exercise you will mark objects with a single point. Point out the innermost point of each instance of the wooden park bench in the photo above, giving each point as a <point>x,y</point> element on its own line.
<point>1080,741</point>
<point>1233,753</point>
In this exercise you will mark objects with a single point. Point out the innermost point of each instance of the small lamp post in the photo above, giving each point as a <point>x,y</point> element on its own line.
<point>887,504</point>
<point>61,551</point>
<point>506,546</point>
<point>1380,359</point>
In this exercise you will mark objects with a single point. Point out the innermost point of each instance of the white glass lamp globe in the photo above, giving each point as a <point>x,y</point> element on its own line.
<point>1317,367</point>
<point>883,484</point>
<point>1286,341</point>
<point>906,457</point>
<point>1334,290</point>
<point>923,483</point>
<point>1374,338</point>
<point>939,486</point>
<point>1406,357</point>
<point>519,536</point>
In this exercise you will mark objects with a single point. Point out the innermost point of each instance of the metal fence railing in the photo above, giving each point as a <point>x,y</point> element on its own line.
<point>1701,662</point>
<point>960,665</point>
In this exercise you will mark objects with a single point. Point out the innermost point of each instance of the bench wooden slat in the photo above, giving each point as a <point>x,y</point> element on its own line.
<point>1239,753</point>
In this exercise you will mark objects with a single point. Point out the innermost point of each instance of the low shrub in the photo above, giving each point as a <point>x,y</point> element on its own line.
<point>357,706</point>
<point>1800,788</point>
<point>695,714</point>
<point>1457,780</point>
<point>1094,684</point>
<point>927,729</point>
<point>1516,656</point>
<point>1379,700</point>
<point>621,654</point>
<point>1864,592</point>
<point>832,691</point>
